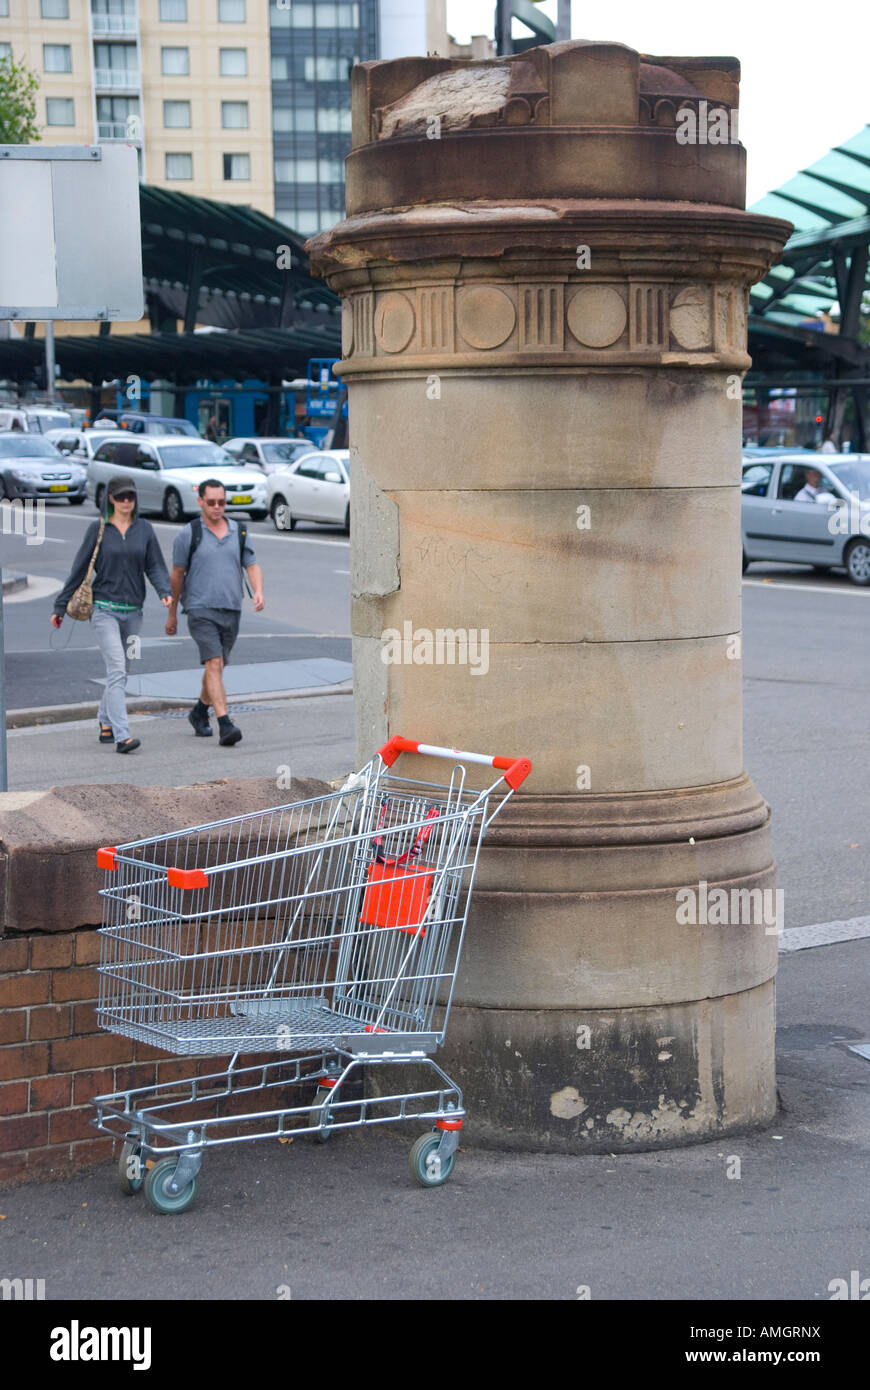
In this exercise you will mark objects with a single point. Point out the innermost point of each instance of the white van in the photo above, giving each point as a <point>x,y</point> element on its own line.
<point>33,419</point>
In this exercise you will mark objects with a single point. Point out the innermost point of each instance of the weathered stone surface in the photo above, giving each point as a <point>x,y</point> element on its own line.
<point>48,871</point>
<point>639,715</point>
<point>544,345</point>
<point>614,1080</point>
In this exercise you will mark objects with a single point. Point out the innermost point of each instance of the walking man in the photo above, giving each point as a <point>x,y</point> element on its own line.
<point>209,557</point>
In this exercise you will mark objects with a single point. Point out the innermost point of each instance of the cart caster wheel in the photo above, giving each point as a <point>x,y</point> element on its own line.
<point>157,1192</point>
<point>131,1168</point>
<point>426,1167</point>
<point>321,1135</point>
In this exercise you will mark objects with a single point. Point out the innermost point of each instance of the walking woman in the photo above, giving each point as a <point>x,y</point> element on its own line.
<point>128,550</point>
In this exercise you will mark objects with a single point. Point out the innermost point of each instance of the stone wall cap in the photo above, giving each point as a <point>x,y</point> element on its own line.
<point>65,819</point>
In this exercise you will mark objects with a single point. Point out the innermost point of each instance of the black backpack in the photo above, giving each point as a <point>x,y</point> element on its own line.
<point>196,537</point>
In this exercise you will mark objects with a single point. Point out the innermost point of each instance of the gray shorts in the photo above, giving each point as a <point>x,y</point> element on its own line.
<point>214,631</point>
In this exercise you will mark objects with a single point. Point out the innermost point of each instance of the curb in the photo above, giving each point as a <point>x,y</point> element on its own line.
<point>143,704</point>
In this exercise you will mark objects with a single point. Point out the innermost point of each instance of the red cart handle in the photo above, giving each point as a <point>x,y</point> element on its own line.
<point>516,770</point>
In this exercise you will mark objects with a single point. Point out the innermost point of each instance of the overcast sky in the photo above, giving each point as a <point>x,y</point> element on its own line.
<point>804,82</point>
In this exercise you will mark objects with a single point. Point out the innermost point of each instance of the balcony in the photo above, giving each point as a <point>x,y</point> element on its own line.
<point>118,79</point>
<point>114,25</point>
<point>125,131</point>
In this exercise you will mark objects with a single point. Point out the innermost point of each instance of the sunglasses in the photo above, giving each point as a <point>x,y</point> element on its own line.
<point>215,501</point>
<point>123,497</point>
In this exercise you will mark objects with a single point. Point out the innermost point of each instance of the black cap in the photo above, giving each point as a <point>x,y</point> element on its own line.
<point>121,484</point>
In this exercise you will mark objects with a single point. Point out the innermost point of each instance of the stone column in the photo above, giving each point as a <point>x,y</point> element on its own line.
<point>544,332</point>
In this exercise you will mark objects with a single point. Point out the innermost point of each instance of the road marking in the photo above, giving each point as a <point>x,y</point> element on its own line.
<point>341,571</point>
<point>255,535</point>
<point>824,934</point>
<point>853,591</point>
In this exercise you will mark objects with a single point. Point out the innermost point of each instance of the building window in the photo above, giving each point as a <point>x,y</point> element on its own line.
<point>328,69</point>
<point>118,118</point>
<point>302,16</point>
<point>175,62</point>
<point>59,111</point>
<point>53,9</point>
<point>179,166</point>
<point>4,14</point>
<point>56,57</point>
<point>173,11</point>
<point>118,57</point>
<point>234,62</point>
<point>237,166</point>
<point>5,49</point>
<point>329,119</point>
<point>305,222</point>
<point>279,67</point>
<point>176,115</point>
<point>231,11</point>
<point>309,171</point>
<point>234,115</point>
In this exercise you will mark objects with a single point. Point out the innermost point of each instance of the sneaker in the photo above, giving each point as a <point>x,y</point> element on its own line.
<point>201,726</point>
<point>127,745</point>
<point>229,734</point>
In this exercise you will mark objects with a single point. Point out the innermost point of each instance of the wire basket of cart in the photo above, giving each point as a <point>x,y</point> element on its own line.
<point>320,936</point>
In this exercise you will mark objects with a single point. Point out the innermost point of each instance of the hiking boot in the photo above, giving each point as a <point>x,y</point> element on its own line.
<point>199,720</point>
<point>229,734</point>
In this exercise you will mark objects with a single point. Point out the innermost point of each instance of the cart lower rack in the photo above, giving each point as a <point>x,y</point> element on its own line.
<point>327,933</point>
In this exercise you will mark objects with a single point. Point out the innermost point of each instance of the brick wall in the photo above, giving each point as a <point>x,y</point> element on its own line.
<point>54,1059</point>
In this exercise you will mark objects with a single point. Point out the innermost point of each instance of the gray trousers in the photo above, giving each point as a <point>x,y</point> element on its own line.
<point>112,631</point>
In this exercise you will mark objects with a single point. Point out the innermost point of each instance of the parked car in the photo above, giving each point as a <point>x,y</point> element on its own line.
<point>832,532</point>
<point>316,487</point>
<point>269,454</point>
<point>32,419</point>
<point>30,466</point>
<point>141,422</point>
<point>168,470</point>
<point>79,444</point>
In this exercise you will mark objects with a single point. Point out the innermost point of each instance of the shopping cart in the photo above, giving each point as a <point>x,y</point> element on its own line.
<point>330,929</point>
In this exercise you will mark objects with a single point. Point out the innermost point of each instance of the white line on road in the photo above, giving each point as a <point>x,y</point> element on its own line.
<point>256,536</point>
<point>852,591</point>
<point>824,934</point>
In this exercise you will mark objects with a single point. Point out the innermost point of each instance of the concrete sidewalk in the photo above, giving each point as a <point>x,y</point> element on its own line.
<point>312,735</point>
<point>345,1220</point>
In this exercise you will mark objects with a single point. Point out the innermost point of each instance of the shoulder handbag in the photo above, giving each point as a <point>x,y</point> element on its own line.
<point>81,605</point>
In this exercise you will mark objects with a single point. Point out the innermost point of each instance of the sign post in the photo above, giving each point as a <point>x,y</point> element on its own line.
<point>71,249</point>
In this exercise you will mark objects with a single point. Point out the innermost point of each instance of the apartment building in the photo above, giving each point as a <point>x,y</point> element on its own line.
<point>187,81</point>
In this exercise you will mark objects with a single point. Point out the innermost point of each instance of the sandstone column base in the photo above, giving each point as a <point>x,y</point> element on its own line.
<point>650,1078</point>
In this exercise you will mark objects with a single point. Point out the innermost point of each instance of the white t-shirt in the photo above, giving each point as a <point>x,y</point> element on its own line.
<point>809,494</point>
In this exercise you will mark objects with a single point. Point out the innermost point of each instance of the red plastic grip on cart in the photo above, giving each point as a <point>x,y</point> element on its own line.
<point>516,770</point>
<point>391,750</point>
<point>187,878</point>
<point>448,1124</point>
<point>106,858</point>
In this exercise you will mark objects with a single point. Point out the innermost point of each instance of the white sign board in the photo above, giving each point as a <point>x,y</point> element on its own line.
<point>70,234</point>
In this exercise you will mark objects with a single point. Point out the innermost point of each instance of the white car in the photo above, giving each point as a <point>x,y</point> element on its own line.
<point>314,488</point>
<point>269,455</point>
<point>79,444</point>
<point>32,419</point>
<point>167,471</point>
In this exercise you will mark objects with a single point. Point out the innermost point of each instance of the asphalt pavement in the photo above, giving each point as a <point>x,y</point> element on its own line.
<point>344,1220</point>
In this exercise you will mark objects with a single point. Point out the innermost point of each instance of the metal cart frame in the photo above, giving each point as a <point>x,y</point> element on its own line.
<point>331,929</point>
